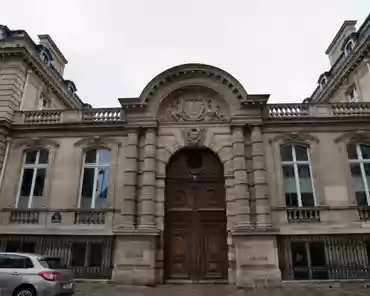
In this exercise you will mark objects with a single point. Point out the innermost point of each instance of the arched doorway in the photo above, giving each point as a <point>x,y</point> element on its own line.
<point>195,217</point>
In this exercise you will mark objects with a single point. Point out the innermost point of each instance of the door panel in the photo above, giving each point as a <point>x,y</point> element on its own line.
<point>178,251</point>
<point>195,219</point>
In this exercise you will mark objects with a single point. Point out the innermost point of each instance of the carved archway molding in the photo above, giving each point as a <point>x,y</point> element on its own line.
<point>97,141</point>
<point>294,137</point>
<point>35,142</point>
<point>192,71</point>
<point>354,136</point>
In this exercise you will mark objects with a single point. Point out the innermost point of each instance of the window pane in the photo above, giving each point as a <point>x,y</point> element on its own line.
<point>352,152</point>
<point>307,199</point>
<point>26,182</point>
<point>96,254</point>
<point>52,263</point>
<point>102,183</point>
<point>365,150</point>
<point>90,156</point>
<point>361,198</point>
<point>44,156</point>
<point>104,156</point>
<point>78,254</point>
<point>301,153</point>
<point>31,157</point>
<point>291,199</point>
<point>286,153</point>
<point>87,187</point>
<point>39,182</point>
<point>358,184</point>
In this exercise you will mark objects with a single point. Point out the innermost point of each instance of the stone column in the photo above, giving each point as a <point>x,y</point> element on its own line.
<point>147,196</point>
<point>242,196</point>
<point>130,179</point>
<point>263,210</point>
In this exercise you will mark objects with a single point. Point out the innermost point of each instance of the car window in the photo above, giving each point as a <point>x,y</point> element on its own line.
<point>15,261</point>
<point>51,263</point>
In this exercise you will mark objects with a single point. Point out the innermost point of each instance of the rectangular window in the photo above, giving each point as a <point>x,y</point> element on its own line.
<point>95,179</point>
<point>298,183</point>
<point>32,181</point>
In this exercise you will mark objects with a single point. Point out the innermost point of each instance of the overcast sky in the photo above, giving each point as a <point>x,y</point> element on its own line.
<point>115,47</point>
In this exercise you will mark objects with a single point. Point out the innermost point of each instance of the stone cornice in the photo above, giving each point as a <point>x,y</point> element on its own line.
<point>36,142</point>
<point>48,77</point>
<point>97,141</point>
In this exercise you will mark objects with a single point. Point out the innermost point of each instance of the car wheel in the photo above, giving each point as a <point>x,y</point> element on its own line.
<point>24,291</point>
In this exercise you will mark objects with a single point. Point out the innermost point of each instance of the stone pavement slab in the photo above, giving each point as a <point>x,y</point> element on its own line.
<point>101,289</point>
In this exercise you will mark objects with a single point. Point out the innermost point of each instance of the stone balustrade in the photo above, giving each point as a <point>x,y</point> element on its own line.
<point>303,215</point>
<point>294,111</point>
<point>48,218</point>
<point>99,115</point>
<point>301,111</point>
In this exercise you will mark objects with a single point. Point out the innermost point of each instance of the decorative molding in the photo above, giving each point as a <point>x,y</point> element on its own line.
<point>354,136</point>
<point>294,137</point>
<point>194,136</point>
<point>193,107</point>
<point>192,71</point>
<point>36,142</point>
<point>96,141</point>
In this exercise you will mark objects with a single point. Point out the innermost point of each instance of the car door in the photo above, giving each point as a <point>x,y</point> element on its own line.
<point>10,277</point>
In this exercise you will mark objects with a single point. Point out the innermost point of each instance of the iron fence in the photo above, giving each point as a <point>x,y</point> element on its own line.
<point>88,256</point>
<point>324,257</point>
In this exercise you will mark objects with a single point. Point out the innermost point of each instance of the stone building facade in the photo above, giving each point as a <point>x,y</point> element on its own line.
<point>195,180</point>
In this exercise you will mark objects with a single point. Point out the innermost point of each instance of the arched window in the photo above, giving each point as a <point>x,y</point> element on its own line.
<point>298,184</point>
<point>45,58</point>
<point>359,159</point>
<point>32,178</point>
<point>95,178</point>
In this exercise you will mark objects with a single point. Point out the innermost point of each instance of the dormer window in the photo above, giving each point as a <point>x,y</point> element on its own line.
<point>349,47</point>
<point>45,58</point>
<point>352,94</point>
<point>323,82</point>
<point>4,32</point>
<point>70,88</point>
<point>44,104</point>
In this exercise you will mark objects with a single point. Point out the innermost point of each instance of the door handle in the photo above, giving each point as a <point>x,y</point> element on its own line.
<point>15,273</point>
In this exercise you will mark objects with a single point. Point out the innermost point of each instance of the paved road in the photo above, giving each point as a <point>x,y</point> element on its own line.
<point>218,290</point>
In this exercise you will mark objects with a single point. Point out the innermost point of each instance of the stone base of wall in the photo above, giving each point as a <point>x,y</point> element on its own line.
<point>256,261</point>
<point>134,259</point>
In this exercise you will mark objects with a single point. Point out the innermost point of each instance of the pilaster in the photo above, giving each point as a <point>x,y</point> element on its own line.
<point>147,196</point>
<point>263,209</point>
<point>242,197</point>
<point>130,179</point>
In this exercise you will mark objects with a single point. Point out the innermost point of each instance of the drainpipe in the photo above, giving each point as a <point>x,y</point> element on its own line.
<point>8,142</point>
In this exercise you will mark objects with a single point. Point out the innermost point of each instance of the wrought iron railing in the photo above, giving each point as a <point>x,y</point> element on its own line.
<point>324,257</point>
<point>303,215</point>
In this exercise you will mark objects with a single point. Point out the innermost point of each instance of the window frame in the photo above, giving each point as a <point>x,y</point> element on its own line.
<point>294,163</point>
<point>35,166</point>
<point>361,161</point>
<point>96,167</point>
<point>352,89</point>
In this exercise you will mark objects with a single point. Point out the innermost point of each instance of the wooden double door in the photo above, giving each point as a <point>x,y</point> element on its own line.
<point>195,218</point>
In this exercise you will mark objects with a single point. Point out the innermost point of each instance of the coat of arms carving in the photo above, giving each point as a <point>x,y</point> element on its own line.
<point>194,136</point>
<point>194,108</point>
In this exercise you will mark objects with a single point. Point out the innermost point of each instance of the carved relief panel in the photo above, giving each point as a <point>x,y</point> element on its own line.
<point>194,104</point>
